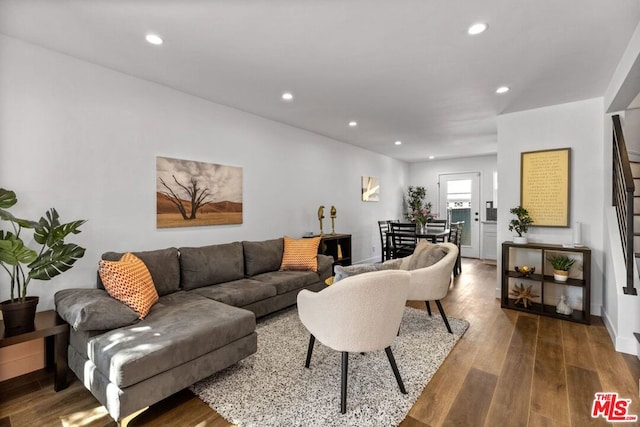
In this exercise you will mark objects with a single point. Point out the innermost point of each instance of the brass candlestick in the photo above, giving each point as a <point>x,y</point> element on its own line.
<point>333,218</point>
<point>321,217</point>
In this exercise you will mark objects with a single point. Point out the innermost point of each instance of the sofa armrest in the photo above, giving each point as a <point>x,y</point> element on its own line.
<point>325,266</point>
<point>92,310</point>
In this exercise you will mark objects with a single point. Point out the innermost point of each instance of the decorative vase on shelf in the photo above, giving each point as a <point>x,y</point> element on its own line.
<point>520,240</point>
<point>563,307</point>
<point>560,275</point>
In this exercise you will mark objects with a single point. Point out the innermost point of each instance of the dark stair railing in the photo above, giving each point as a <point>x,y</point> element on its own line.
<point>623,191</point>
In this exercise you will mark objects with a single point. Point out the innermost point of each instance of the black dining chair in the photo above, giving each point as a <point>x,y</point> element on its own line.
<point>440,224</point>
<point>403,238</point>
<point>455,237</point>
<point>385,241</point>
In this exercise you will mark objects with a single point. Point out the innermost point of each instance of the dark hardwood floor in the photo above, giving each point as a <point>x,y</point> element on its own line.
<point>509,369</point>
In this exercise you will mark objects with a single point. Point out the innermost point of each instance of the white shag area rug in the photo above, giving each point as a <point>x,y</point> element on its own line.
<point>273,388</point>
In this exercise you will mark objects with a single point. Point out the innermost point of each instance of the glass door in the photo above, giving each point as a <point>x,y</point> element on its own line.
<point>460,201</point>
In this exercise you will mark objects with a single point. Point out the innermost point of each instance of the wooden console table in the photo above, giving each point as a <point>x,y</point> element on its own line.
<point>55,331</point>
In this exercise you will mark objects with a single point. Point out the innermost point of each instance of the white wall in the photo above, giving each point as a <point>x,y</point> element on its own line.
<point>427,174</point>
<point>83,139</point>
<point>578,125</point>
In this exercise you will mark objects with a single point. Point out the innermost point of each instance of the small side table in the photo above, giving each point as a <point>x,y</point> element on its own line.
<point>55,331</point>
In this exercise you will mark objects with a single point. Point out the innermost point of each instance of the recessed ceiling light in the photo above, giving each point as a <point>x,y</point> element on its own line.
<point>398,142</point>
<point>502,89</point>
<point>478,28</point>
<point>287,96</point>
<point>153,39</point>
<point>353,124</point>
<point>432,157</point>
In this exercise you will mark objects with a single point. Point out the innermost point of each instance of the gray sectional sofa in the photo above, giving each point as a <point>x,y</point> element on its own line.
<point>203,322</point>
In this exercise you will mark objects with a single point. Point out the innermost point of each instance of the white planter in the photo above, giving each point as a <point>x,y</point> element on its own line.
<point>560,276</point>
<point>518,240</point>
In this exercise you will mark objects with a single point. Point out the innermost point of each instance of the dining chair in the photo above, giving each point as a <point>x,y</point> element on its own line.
<point>385,241</point>
<point>358,314</point>
<point>403,238</point>
<point>440,224</point>
<point>455,237</point>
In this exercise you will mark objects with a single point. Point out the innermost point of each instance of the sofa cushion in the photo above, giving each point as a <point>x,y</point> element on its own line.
<point>239,292</point>
<point>129,281</point>
<point>162,264</point>
<point>209,265</point>
<point>179,328</point>
<point>92,310</point>
<point>262,257</point>
<point>426,254</point>
<point>300,254</point>
<point>285,281</point>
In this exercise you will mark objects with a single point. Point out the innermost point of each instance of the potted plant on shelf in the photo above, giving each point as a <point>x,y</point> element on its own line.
<point>561,265</point>
<point>22,264</point>
<point>520,224</point>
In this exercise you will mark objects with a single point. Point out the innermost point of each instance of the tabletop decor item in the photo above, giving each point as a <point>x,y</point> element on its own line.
<point>525,270</point>
<point>520,224</point>
<point>320,218</point>
<point>51,257</point>
<point>419,211</point>
<point>524,295</point>
<point>563,307</point>
<point>561,265</point>
<point>334,213</point>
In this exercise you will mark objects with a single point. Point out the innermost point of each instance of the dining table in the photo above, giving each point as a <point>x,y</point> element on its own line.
<point>429,233</point>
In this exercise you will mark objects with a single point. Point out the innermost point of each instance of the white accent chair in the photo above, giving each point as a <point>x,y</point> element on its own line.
<point>432,283</point>
<point>357,314</point>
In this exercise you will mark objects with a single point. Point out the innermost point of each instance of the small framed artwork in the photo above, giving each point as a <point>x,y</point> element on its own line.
<point>370,189</point>
<point>545,186</point>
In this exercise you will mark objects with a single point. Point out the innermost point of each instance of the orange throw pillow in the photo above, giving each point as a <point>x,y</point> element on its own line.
<point>300,254</point>
<point>130,282</point>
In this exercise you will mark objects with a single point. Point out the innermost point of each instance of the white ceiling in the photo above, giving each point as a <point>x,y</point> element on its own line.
<point>403,69</point>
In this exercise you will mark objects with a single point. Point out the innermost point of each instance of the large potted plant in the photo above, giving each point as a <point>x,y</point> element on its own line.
<point>418,211</point>
<point>22,264</point>
<point>561,265</point>
<point>520,224</point>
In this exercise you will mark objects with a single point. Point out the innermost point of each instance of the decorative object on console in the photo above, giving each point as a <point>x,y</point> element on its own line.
<point>563,307</point>
<point>525,270</point>
<point>577,235</point>
<point>300,254</point>
<point>320,218</point>
<point>524,295</point>
<point>22,263</point>
<point>520,224</point>
<point>334,213</point>
<point>561,265</point>
<point>370,189</point>
<point>190,193</point>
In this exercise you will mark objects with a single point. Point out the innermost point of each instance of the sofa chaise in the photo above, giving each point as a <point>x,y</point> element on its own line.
<point>203,321</point>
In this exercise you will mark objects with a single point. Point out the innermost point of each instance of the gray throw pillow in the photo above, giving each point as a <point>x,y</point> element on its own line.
<point>426,254</point>
<point>353,270</point>
<point>93,310</point>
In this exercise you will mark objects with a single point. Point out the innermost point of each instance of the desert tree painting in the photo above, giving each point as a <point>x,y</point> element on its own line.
<point>190,193</point>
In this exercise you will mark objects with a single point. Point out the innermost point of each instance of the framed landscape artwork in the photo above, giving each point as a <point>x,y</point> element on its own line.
<point>190,193</point>
<point>545,185</point>
<point>370,189</point>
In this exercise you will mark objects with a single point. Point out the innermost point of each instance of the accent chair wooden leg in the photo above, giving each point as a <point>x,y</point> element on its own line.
<point>343,388</point>
<point>444,316</point>
<point>428,307</point>
<point>394,367</point>
<point>312,341</point>
<point>126,420</point>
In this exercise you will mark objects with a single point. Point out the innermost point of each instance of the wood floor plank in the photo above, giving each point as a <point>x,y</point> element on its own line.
<point>410,422</point>
<point>493,349</point>
<point>576,353</point>
<point>582,385</point>
<point>513,390</point>
<point>549,388</point>
<point>472,402</point>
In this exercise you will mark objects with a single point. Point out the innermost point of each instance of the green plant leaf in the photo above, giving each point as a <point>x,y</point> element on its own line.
<point>7,198</point>
<point>51,233</point>
<point>55,261</point>
<point>13,251</point>
<point>24,223</point>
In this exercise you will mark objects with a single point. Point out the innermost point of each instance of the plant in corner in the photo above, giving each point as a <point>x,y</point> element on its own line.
<point>22,264</point>
<point>561,265</point>
<point>520,224</point>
